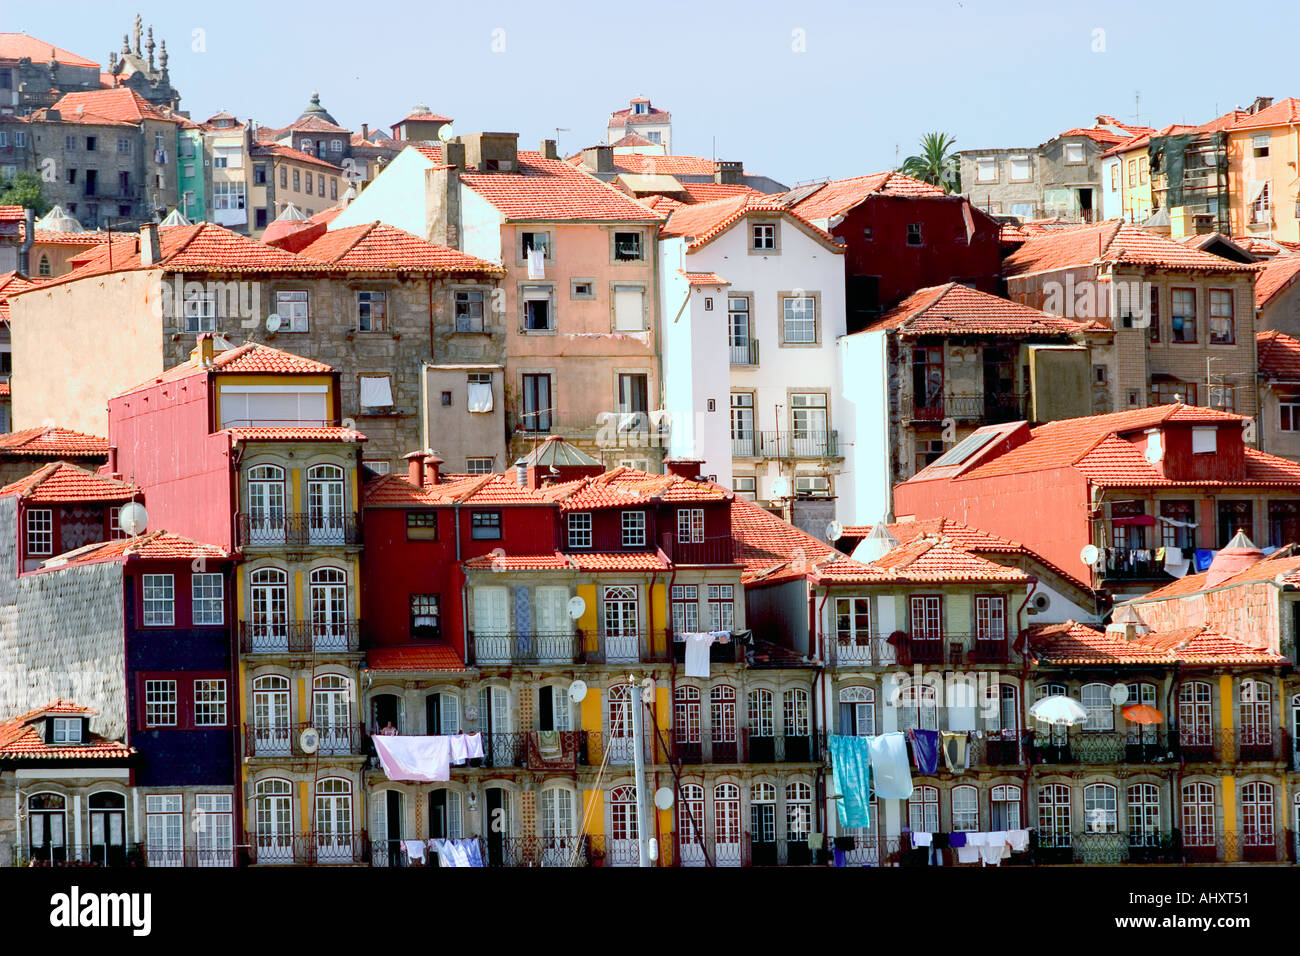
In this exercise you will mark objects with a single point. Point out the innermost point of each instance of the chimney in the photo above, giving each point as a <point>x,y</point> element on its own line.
<point>453,154</point>
<point>549,150</point>
<point>203,349</point>
<point>432,468</point>
<point>365,131</point>
<point>29,237</point>
<point>415,468</point>
<point>599,159</point>
<point>52,115</point>
<point>442,202</point>
<point>684,467</point>
<point>728,173</point>
<point>150,251</point>
<point>1261,103</point>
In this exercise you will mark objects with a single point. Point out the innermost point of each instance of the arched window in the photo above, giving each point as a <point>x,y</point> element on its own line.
<point>1256,708</point>
<point>332,713</point>
<point>43,267</point>
<point>333,818</point>
<point>620,722</point>
<point>442,713</point>
<point>726,824</point>
<point>1144,814</point>
<point>269,621</point>
<point>794,712</point>
<point>798,811</point>
<point>1195,720</point>
<point>385,709</point>
<point>1198,814</point>
<point>329,608</point>
<point>266,509</point>
<point>1004,807</point>
<point>918,707</point>
<point>1008,708</point>
<point>686,722</point>
<point>271,723</point>
<point>923,809</point>
<point>273,810</point>
<point>857,711</point>
<point>325,523</point>
<point>722,722</point>
<point>965,809</point>
<point>1101,712</point>
<point>555,807</point>
<point>1054,815</point>
<point>761,722</point>
<point>1257,814</point>
<point>691,821</point>
<point>107,827</point>
<point>622,826</point>
<point>1100,808</point>
<point>47,827</point>
<point>762,812</point>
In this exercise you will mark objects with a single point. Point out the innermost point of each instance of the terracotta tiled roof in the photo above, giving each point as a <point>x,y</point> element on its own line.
<point>769,546</point>
<point>1100,136</point>
<point>955,309</point>
<point>485,489</point>
<point>118,105</point>
<point>21,738</point>
<point>1279,356</point>
<point>392,491</point>
<point>924,559</point>
<point>622,487</point>
<point>295,433</point>
<point>547,561</point>
<point>254,357</point>
<point>1275,276</point>
<point>1114,242</point>
<point>415,657</point>
<point>704,278</point>
<point>280,151</point>
<point>1076,644</point>
<point>425,117</point>
<point>60,481</point>
<point>376,247</point>
<point>160,545</point>
<point>837,196</point>
<point>18,46</point>
<point>648,163</point>
<point>701,223</point>
<point>52,442</point>
<point>632,139</point>
<point>11,283</point>
<point>553,189</point>
<point>1282,113</point>
<point>626,117</point>
<point>644,561</point>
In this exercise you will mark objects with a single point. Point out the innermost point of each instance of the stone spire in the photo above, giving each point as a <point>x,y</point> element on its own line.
<point>138,28</point>
<point>149,47</point>
<point>162,58</point>
<point>126,44</point>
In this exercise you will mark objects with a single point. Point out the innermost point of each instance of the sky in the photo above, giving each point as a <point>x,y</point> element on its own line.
<point>796,90</point>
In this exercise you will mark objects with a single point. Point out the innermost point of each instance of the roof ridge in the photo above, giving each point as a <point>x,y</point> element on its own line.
<point>944,290</point>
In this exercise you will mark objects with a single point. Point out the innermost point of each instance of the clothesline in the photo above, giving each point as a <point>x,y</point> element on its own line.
<point>425,759</point>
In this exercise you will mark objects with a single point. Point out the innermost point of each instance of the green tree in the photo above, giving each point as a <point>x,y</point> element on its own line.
<point>936,164</point>
<point>24,189</point>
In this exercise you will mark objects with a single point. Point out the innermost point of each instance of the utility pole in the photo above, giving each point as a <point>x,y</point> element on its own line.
<point>638,764</point>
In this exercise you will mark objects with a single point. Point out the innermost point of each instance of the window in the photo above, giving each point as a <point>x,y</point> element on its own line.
<point>1182,314</point>
<point>745,486</point>
<point>1289,412</point>
<point>1153,329</point>
<point>1259,145</point>
<point>160,703</point>
<point>627,247</point>
<point>633,529</point>
<point>629,308</point>
<point>1235,516</point>
<point>799,320</point>
<point>990,618</point>
<point>763,237</point>
<point>207,595</point>
<point>1132,172</point>
<point>228,195</point>
<point>798,811</point>
<point>686,716</point>
<point>1100,808</point>
<point>1114,176</point>
<point>1074,153</point>
<point>914,234</point>
<point>469,311</point>
<point>40,531</point>
<point>986,169</point>
<point>536,301</point>
<point>918,707</point>
<point>422,524</point>
<point>92,144</point>
<point>579,524</point>
<point>479,466</point>
<point>1198,815</point>
<point>210,703</point>
<point>722,607</point>
<point>923,810</point>
<point>686,608</point>
<point>690,525</point>
<point>761,722</point>
<point>1144,814</point>
<point>1261,208</point>
<point>1177,524</point>
<point>537,403</point>
<point>165,828</point>
<point>291,306</point>
<point>1221,317</point>
<point>927,617</point>
<point>159,600</point>
<point>43,268</point>
<point>965,809</point>
<point>479,392</point>
<point>1021,170</point>
<point>722,716</point>
<point>320,185</point>
<point>297,180</point>
<point>1194,716</point>
<point>1054,815</point>
<point>377,466</point>
<point>582,289</point>
<point>67,730</point>
<point>334,188</point>
<point>372,311</point>
<point>1004,808</point>
<point>1101,712</point>
<point>284,177</point>
<point>200,308</point>
<point>852,620</point>
<point>857,712</point>
<point>485,525</point>
<point>808,423</point>
<point>425,620</point>
<point>1256,718</point>
<point>535,240</point>
<point>1257,814</point>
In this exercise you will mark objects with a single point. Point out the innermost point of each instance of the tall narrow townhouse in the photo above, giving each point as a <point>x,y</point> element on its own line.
<point>580,304</point>
<point>244,446</point>
<point>1262,150</point>
<point>747,278</point>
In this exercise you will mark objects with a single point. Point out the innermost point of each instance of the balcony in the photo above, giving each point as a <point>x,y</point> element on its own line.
<point>987,409</point>
<point>188,857</point>
<point>1203,746</point>
<point>619,747</point>
<point>497,851</point>
<point>298,530</point>
<point>706,751</point>
<point>801,443</point>
<point>285,740</point>
<point>706,849</point>
<point>626,647</point>
<point>744,353</point>
<point>1102,747</point>
<point>77,855</point>
<point>1137,564</point>
<point>1263,744</point>
<point>531,648</point>
<point>721,549</point>
<point>766,748</point>
<point>299,637</point>
<point>1148,847</point>
<point>730,653</point>
<point>903,650</point>
<point>308,849</point>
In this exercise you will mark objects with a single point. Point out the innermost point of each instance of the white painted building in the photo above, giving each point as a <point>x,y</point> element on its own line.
<point>753,309</point>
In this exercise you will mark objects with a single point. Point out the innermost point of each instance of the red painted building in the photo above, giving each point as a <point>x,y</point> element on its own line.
<point>1148,488</point>
<point>900,235</point>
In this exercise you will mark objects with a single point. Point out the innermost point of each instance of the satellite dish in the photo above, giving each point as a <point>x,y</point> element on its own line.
<point>132,518</point>
<point>578,691</point>
<point>663,798</point>
<point>780,487</point>
<point>1089,554</point>
<point>445,134</point>
<point>1039,604</point>
<point>577,607</point>
<point>309,740</point>
<point>272,322</point>
<point>834,531</point>
<point>1119,694</point>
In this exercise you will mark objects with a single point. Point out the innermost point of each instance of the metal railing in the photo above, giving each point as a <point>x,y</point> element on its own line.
<point>79,855</point>
<point>706,849</point>
<point>277,740</point>
<point>299,637</point>
<point>1150,847</point>
<point>298,530</point>
<point>560,647</point>
<point>189,857</point>
<point>620,748</point>
<point>1131,563</point>
<point>624,647</point>
<point>308,849</point>
<point>1266,744</point>
<point>903,650</point>
<point>720,549</point>
<point>707,751</point>
<point>762,748</point>
<point>1102,747</point>
<point>802,443</point>
<point>988,409</point>
<point>744,353</point>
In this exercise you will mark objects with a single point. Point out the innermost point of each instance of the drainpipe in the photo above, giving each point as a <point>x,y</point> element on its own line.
<point>464,585</point>
<point>432,354</point>
<point>821,678</point>
<point>1176,779</point>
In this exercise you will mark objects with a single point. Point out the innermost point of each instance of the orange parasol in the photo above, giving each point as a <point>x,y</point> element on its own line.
<point>1143,714</point>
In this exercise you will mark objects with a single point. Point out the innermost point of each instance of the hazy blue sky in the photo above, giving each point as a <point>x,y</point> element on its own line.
<point>871,79</point>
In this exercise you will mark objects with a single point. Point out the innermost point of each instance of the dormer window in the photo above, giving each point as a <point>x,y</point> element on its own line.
<point>65,730</point>
<point>633,529</point>
<point>1205,440</point>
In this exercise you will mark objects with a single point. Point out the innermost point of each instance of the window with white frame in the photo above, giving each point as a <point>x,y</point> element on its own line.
<point>1021,169</point>
<point>986,169</point>
<point>686,608</point>
<point>479,466</point>
<point>762,808</point>
<point>215,838</point>
<point>923,810</point>
<point>690,525</point>
<point>918,707</point>
<point>1074,153</point>
<point>1257,814</point>
<point>40,531</point>
<point>210,703</point>
<point>1288,407</point>
<point>160,703</point>
<point>746,486</point>
<point>798,811</point>
<point>1221,324</point>
<point>372,310</point>
<point>292,307</point>
<point>1100,808</point>
<point>763,236</point>
<point>67,730</point>
<point>722,715</point>
<point>207,595</point>
<point>633,529</point>
<point>579,524</point>
<point>200,307</point>
<point>1004,808</point>
<point>858,712</point>
<point>164,827</point>
<point>228,195</point>
<point>1144,814</point>
<point>722,607</point>
<point>1101,712</point>
<point>761,721</point>
<point>159,600</point>
<point>469,310</point>
<point>990,618</point>
<point>852,620</point>
<point>686,715</point>
<point>794,713</point>
<point>965,809</point>
<point>799,319</point>
<point>1054,815</point>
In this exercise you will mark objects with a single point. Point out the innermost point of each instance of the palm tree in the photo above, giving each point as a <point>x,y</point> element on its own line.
<point>935,164</point>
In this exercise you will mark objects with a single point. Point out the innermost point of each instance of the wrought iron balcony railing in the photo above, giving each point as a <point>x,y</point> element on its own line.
<point>707,751</point>
<point>89,855</point>
<point>561,647</point>
<point>308,849</point>
<point>298,530</point>
<point>299,637</point>
<point>901,649</point>
<point>987,409</point>
<point>778,748</point>
<point>744,353</point>
<point>286,739</point>
<point>1102,747</point>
